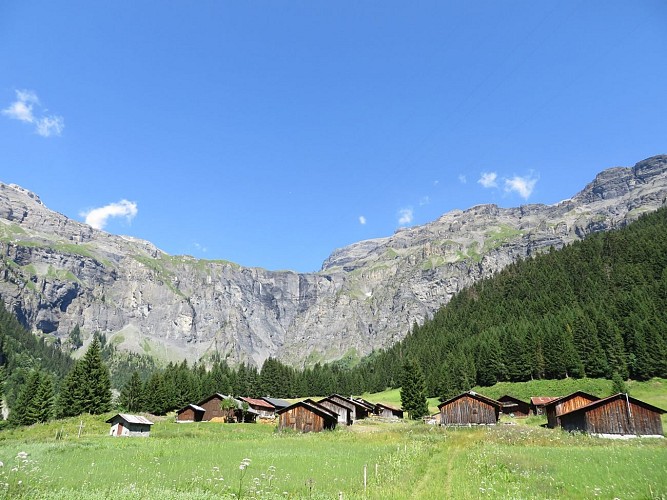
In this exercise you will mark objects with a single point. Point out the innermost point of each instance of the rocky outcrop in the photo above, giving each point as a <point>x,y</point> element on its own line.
<point>56,272</point>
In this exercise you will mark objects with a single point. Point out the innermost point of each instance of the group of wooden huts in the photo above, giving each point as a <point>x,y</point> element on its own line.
<point>617,415</point>
<point>305,416</point>
<point>314,416</point>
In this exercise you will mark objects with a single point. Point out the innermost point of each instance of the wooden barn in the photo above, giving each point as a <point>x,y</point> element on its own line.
<point>370,407</point>
<point>514,407</point>
<point>263,408</point>
<point>537,403</point>
<point>212,410</point>
<point>190,413</point>
<point>387,411</point>
<point>557,407</point>
<point>618,415</point>
<point>124,425</point>
<point>343,411</point>
<point>359,410</point>
<point>306,416</point>
<point>469,408</point>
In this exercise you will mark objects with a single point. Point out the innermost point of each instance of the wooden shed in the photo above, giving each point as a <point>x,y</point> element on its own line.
<point>190,413</point>
<point>343,411</point>
<point>514,407</point>
<point>557,407</point>
<point>212,409</point>
<point>370,407</point>
<point>618,415</point>
<point>469,408</point>
<point>387,411</point>
<point>124,425</point>
<point>306,416</point>
<point>537,403</point>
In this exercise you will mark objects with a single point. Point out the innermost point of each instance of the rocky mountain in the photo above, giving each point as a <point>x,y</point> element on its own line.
<point>56,273</point>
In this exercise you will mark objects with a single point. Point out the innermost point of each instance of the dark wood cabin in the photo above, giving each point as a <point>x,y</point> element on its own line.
<point>537,403</point>
<point>343,411</point>
<point>370,407</point>
<point>469,408</point>
<point>387,411</point>
<point>124,425</point>
<point>263,408</point>
<point>190,413</point>
<point>514,407</point>
<point>306,416</point>
<point>616,415</point>
<point>557,407</point>
<point>212,410</point>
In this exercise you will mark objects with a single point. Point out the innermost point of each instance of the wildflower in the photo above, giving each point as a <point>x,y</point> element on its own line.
<point>22,454</point>
<point>2,464</point>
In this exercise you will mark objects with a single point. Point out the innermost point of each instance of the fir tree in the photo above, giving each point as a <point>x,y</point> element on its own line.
<point>413,390</point>
<point>617,384</point>
<point>131,396</point>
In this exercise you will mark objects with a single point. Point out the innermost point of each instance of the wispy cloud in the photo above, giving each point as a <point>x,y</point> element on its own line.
<point>23,109</point>
<point>405,216</point>
<point>200,247</point>
<point>522,185</point>
<point>488,179</point>
<point>425,200</point>
<point>463,179</point>
<point>98,217</point>
<point>362,220</point>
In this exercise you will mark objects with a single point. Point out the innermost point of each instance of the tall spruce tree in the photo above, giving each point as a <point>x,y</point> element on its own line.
<point>413,390</point>
<point>131,396</point>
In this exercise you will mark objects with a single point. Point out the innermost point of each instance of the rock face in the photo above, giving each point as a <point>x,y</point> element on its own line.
<point>56,273</point>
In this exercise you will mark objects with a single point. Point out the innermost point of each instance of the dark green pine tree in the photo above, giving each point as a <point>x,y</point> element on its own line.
<point>70,399</point>
<point>618,384</point>
<point>131,396</point>
<point>44,399</point>
<point>24,411</point>
<point>97,382</point>
<point>413,390</point>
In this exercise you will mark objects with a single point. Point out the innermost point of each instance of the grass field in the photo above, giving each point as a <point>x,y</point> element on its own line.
<point>517,459</point>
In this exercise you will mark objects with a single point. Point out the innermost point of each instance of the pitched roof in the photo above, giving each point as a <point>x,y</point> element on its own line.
<point>277,403</point>
<point>258,402</point>
<point>508,398</point>
<point>392,408</point>
<point>542,400</point>
<point>474,395</point>
<point>131,419</point>
<point>620,395</point>
<point>193,406</point>
<point>570,396</point>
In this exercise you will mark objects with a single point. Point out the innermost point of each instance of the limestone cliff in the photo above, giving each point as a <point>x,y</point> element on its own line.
<point>56,272</point>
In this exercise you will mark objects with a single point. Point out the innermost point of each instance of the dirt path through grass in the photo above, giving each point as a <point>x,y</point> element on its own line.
<point>439,478</point>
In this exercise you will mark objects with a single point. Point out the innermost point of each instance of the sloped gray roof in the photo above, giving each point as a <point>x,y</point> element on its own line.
<point>132,419</point>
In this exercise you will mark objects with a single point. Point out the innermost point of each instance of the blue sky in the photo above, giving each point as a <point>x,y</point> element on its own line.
<point>270,133</point>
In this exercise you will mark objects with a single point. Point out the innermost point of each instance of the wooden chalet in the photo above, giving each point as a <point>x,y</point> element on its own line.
<point>557,407</point>
<point>212,410</point>
<point>469,408</point>
<point>124,425</point>
<point>387,411</point>
<point>190,413</point>
<point>513,406</point>
<point>343,411</point>
<point>263,408</point>
<point>306,416</point>
<point>537,403</point>
<point>618,415</point>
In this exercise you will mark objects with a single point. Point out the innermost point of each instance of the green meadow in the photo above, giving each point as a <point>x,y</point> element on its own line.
<point>76,458</point>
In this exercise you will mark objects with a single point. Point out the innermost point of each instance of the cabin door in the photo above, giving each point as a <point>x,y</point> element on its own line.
<point>119,431</point>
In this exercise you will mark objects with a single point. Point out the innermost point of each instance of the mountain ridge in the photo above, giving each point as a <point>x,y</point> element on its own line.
<point>56,273</point>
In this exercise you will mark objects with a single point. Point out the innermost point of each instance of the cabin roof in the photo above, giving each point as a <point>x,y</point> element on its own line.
<point>258,402</point>
<point>131,419</point>
<point>570,396</point>
<point>277,403</point>
<point>542,400</point>
<point>193,406</point>
<point>389,407</point>
<point>620,395</point>
<point>508,398</point>
<point>473,395</point>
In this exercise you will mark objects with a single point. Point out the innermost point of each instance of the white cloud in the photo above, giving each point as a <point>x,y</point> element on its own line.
<point>405,216</point>
<point>200,247</point>
<point>522,185</point>
<point>98,217</point>
<point>488,179</point>
<point>362,220</point>
<point>462,179</point>
<point>22,109</point>
<point>424,201</point>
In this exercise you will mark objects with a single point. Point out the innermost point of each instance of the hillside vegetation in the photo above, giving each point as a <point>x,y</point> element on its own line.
<point>594,308</point>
